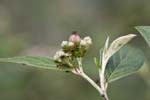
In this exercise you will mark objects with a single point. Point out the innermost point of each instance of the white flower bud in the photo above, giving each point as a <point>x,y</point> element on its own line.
<point>70,44</point>
<point>74,38</point>
<point>59,54</point>
<point>83,43</point>
<point>88,40</point>
<point>64,43</point>
<point>57,58</point>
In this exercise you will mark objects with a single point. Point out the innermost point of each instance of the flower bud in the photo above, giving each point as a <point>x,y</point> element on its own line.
<point>64,44</point>
<point>83,43</point>
<point>57,58</point>
<point>59,54</point>
<point>74,38</point>
<point>70,44</point>
<point>88,40</point>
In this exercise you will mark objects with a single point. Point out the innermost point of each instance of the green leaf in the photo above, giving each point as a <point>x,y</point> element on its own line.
<point>145,32</point>
<point>40,62</point>
<point>97,62</point>
<point>125,62</point>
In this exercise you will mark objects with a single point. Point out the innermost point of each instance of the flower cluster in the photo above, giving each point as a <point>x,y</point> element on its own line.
<point>75,47</point>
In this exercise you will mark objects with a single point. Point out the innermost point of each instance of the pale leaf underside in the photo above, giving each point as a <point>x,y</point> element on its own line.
<point>119,43</point>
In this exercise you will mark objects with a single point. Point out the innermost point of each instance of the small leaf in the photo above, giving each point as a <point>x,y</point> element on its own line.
<point>100,56</point>
<point>118,43</point>
<point>103,53</point>
<point>145,32</point>
<point>126,61</point>
<point>106,46</point>
<point>40,62</point>
<point>97,63</point>
<point>107,43</point>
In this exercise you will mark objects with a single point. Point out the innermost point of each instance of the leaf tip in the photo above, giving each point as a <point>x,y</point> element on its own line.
<point>132,35</point>
<point>107,42</point>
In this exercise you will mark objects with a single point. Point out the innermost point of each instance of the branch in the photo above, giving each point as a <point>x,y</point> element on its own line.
<point>79,71</point>
<point>92,83</point>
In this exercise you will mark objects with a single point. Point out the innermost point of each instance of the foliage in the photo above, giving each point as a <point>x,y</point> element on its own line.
<point>145,32</point>
<point>123,63</point>
<point>117,59</point>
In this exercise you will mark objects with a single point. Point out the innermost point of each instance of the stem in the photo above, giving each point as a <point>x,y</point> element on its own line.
<point>101,75</point>
<point>80,64</point>
<point>103,85</point>
<point>105,96</point>
<point>92,83</point>
<point>80,72</point>
<point>102,80</point>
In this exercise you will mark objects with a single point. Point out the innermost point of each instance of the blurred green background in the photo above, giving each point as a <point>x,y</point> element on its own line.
<point>37,27</point>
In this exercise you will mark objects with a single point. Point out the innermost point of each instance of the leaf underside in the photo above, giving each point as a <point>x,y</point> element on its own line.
<point>119,43</point>
<point>145,32</point>
<point>40,62</point>
<point>125,62</point>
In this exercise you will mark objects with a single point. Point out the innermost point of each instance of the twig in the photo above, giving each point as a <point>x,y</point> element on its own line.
<point>79,71</point>
<point>92,83</point>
